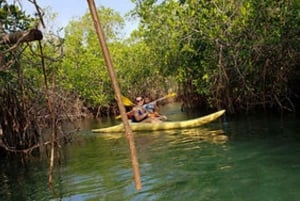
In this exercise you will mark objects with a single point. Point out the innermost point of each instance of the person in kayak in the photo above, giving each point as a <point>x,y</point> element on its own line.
<point>139,113</point>
<point>149,106</point>
<point>153,109</point>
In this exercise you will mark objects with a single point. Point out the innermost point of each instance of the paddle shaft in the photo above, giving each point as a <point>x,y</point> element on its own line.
<point>162,98</point>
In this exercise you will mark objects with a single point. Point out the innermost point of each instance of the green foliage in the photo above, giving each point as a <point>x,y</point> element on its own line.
<point>83,69</point>
<point>230,51</point>
<point>13,19</point>
<point>138,74</point>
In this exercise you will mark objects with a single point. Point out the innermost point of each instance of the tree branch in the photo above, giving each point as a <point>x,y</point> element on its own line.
<point>21,37</point>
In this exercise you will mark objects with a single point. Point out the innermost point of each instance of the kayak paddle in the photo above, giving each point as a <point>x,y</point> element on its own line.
<point>126,101</point>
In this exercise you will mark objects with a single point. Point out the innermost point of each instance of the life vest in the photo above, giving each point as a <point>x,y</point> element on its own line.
<point>150,107</point>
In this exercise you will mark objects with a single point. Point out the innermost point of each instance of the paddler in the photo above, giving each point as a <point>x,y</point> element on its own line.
<point>140,114</point>
<point>152,108</point>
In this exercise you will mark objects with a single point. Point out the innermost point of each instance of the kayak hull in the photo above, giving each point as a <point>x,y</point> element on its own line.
<point>163,125</point>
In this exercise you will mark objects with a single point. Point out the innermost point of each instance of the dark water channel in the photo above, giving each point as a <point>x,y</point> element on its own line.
<point>253,158</point>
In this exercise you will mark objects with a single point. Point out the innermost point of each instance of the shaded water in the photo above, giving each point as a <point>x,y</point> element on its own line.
<point>244,159</point>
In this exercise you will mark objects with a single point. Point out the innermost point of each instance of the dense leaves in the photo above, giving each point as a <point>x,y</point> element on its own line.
<point>239,55</point>
<point>13,19</point>
<point>83,69</point>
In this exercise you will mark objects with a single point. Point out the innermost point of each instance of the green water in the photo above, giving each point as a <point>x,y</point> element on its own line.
<point>242,159</point>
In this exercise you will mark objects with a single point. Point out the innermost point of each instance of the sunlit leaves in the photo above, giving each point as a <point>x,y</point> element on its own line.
<point>218,45</point>
<point>83,67</point>
<point>12,18</point>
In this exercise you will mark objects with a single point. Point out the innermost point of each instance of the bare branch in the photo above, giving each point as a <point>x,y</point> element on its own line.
<point>21,37</point>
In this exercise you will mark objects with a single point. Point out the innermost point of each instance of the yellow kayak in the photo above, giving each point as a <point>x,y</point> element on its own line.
<point>163,125</point>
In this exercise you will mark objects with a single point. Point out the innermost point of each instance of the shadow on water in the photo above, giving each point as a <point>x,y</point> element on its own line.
<point>246,159</point>
<point>23,180</point>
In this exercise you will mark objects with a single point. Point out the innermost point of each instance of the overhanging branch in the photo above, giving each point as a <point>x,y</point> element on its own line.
<point>21,37</point>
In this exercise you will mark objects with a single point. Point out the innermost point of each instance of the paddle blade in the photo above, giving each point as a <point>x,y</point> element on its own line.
<point>126,101</point>
<point>165,97</point>
<point>170,95</point>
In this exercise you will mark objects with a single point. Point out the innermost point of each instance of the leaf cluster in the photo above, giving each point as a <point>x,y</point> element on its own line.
<point>231,52</point>
<point>12,18</point>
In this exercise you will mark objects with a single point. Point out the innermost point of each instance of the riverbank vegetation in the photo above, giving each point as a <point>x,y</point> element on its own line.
<point>235,55</point>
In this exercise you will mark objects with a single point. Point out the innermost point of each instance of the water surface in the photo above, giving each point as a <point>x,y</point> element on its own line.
<point>244,159</point>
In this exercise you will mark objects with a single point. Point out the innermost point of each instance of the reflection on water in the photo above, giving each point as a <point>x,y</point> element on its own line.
<point>244,159</point>
<point>212,136</point>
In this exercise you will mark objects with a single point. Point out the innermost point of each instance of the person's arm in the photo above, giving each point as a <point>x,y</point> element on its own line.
<point>139,117</point>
